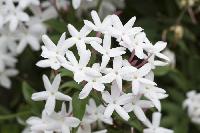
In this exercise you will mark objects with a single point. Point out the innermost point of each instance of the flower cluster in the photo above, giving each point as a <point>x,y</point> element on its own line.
<point>193,106</point>
<point>18,29</point>
<point>125,84</point>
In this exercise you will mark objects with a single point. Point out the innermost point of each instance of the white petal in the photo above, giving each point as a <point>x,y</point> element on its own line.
<point>109,110</point>
<point>96,18</point>
<point>72,121</point>
<point>122,112</point>
<point>105,61</point>
<point>56,82</point>
<point>98,86</point>
<point>85,91</point>
<point>139,113</point>
<point>159,46</point>
<point>50,104</point>
<point>39,96</point>
<point>47,83</point>
<point>72,30</point>
<point>48,43</point>
<point>107,97</point>
<point>107,41</point>
<point>130,23</point>
<point>62,97</point>
<point>156,119</point>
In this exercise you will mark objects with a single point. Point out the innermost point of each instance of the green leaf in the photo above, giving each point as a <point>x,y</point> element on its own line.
<point>65,73</point>
<point>70,84</point>
<point>160,71</point>
<point>79,106</point>
<point>27,92</point>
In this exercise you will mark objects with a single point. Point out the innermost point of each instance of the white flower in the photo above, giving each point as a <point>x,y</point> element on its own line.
<point>94,113</point>
<point>51,94</point>
<point>137,105</point>
<point>137,44</point>
<point>154,126</point>
<point>154,94</point>
<point>58,122</point>
<point>30,36</point>
<point>119,71</point>
<point>115,102</point>
<point>95,80</point>
<point>4,77</point>
<point>98,25</point>
<point>53,53</point>
<point>106,50</point>
<point>80,38</point>
<point>157,48</point>
<point>123,32</point>
<point>77,67</point>
<point>138,78</point>
<point>16,15</point>
<point>193,106</point>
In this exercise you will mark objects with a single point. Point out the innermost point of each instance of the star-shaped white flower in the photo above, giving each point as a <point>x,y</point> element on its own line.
<point>98,25</point>
<point>77,67</point>
<point>95,114</point>
<point>52,53</point>
<point>80,37</point>
<point>119,71</point>
<point>95,80</point>
<point>51,94</point>
<point>30,36</point>
<point>107,51</point>
<point>137,105</point>
<point>123,32</point>
<point>15,16</point>
<point>154,94</point>
<point>138,78</point>
<point>156,50</point>
<point>115,102</point>
<point>154,126</point>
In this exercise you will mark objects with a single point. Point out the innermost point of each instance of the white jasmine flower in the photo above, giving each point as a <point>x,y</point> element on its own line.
<point>115,102</point>
<point>157,48</point>
<point>154,126</point>
<point>30,36</point>
<point>51,94</point>
<point>193,106</point>
<point>137,44</point>
<point>4,77</point>
<point>106,50</point>
<point>154,94</point>
<point>80,38</point>
<point>98,25</point>
<point>137,105</point>
<point>94,113</point>
<point>16,15</point>
<point>58,122</point>
<point>123,32</point>
<point>118,71</point>
<point>77,67</point>
<point>138,78</point>
<point>95,80</point>
<point>53,53</point>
